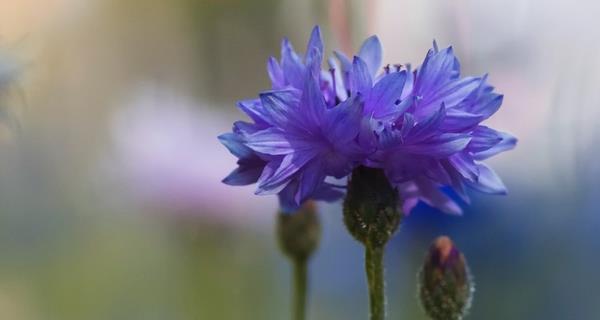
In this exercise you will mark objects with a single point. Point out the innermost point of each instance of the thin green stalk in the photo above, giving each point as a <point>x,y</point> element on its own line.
<point>374,268</point>
<point>300,279</point>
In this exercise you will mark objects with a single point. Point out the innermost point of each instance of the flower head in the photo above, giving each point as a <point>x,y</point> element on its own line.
<point>297,139</point>
<point>421,127</point>
<point>438,140</point>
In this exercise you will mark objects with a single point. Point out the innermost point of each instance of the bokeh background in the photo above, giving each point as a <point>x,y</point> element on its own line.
<point>111,205</point>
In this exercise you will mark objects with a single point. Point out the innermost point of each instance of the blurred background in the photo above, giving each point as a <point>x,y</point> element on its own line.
<point>111,205</point>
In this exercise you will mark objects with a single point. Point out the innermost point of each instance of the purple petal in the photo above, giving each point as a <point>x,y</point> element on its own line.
<point>313,104</point>
<point>507,142</point>
<point>464,165</point>
<point>268,172</point>
<point>401,167</point>
<point>346,68</point>
<point>428,127</point>
<point>488,182</point>
<point>315,41</point>
<point>255,110</point>
<point>441,146</point>
<point>409,83</point>
<point>366,137</point>
<point>328,192</point>
<point>245,128</point>
<point>408,205</point>
<point>389,137</point>
<point>291,64</point>
<point>384,95</point>
<point>457,120</point>
<point>456,91</point>
<point>235,144</point>
<point>431,194</point>
<point>340,87</point>
<point>270,141</point>
<point>340,163</point>
<point>342,122</point>
<point>437,172</point>
<point>409,193</point>
<point>277,106</point>
<point>483,139</point>
<point>371,53</point>
<point>437,69</point>
<point>324,192</point>
<point>243,175</point>
<point>287,201</point>
<point>482,101</point>
<point>290,164</point>
<point>487,105</point>
<point>408,123</point>
<point>312,176</point>
<point>345,62</point>
<point>457,181</point>
<point>314,59</point>
<point>275,74</point>
<point>360,79</point>
<point>451,94</point>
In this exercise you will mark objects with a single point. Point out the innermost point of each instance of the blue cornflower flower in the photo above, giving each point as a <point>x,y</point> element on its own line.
<point>438,140</point>
<point>307,141</point>
<point>422,127</point>
<point>297,139</point>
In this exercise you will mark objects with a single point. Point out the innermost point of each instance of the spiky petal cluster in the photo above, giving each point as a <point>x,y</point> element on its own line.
<point>422,127</point>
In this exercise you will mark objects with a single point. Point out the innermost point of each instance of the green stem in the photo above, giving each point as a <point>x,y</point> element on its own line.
<point>300,276</point>
<point>374,268</point>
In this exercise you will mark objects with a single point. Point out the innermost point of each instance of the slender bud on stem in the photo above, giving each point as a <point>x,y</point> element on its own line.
<point>299,234</point>
<point>371,215</point>
<point>446,287</point>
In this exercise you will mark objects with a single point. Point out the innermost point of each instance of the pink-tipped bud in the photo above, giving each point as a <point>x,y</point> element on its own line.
<point>445,284</point>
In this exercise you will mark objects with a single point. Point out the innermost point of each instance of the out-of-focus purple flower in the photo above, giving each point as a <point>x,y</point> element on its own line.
<point>164,159</point>
<point>421,127</point>
<point>9,71</point>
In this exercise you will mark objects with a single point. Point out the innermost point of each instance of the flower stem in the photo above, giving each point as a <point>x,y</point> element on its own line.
<point>300,276</point>
<point>375,279</point>
<point>372,217</point>
<point>298,235</point>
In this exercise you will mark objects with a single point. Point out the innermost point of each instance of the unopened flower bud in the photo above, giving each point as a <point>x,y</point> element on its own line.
<point>299,232</point>
<point>371,207</point>
<point>446,287</point>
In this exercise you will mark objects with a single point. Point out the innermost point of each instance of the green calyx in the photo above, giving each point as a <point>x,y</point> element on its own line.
<point>371,210</point>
